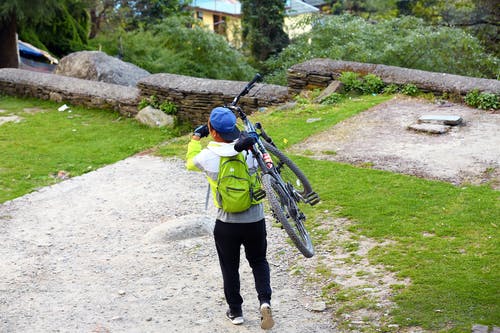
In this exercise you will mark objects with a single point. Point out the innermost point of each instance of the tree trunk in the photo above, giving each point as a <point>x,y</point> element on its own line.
<point>9,56</point>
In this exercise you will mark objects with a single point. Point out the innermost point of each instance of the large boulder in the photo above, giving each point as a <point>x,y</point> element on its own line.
<point>98,66</point>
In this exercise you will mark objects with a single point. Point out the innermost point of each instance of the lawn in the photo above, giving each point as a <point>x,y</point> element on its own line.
<point>47,142</point>
<point>444,238</point>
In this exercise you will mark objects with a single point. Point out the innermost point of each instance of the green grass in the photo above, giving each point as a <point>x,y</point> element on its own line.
<point>445,239</point>
<point>47,141</point>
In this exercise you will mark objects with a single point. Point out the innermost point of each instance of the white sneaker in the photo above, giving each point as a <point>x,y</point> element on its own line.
<point>236,319</point>
<point>266,319</point>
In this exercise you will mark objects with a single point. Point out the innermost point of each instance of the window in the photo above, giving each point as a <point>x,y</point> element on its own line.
<point>220,25</point>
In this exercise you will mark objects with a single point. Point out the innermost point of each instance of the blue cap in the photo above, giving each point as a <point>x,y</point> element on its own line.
<point>223,121</point>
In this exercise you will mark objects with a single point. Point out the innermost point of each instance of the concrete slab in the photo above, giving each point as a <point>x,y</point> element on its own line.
<point>479,329</point>
<point>441,119</point>
<point>429,128</point>
<point>8,119</point>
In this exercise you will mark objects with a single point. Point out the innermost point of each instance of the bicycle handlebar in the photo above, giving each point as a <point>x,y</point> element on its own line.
<point>247,88</point>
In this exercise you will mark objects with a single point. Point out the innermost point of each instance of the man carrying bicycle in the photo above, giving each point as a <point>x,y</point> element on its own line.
<point>232,230</point>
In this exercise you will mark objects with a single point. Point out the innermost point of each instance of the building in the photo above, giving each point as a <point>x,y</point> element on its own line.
<point>224,17</point>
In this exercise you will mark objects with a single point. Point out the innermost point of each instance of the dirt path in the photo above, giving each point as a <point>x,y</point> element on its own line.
<point>379,138</point>
<point>126,249</point>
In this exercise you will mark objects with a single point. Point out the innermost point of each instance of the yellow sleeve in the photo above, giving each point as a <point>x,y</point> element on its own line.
<point>194,148</point>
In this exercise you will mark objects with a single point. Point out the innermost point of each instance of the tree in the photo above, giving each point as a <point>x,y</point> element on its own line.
<point>66,32</point>
<point>479,17</point>
<point>262,24</point>
<point>12,12</point>
<point>131,14</point>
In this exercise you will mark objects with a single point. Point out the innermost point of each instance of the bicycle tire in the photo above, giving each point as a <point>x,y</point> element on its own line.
<point>287,212</point>
<point>288,170</point>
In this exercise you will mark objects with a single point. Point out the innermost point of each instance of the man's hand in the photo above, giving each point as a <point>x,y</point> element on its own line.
<point>245,142</point>
<point>201,131</point>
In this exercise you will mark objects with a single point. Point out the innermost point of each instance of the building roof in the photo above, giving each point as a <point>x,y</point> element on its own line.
<point>315,3</point>
<point>233,7</point>
<point>295,7</point>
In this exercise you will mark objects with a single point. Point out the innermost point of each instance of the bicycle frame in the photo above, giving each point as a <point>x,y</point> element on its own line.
<point>258,150</point>
<point>282,195</point>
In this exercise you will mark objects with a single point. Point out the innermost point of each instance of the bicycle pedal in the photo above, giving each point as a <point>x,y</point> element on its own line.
<point>312,198</point>
<point>259,194</point>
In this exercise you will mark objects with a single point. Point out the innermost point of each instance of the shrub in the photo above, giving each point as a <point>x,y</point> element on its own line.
<point>472,98</point>
<point>483,100</point>
<point>410,90</point>
<point>391,89</point>
<point>406,42</point>
<point>332,99</point>
<point>172,47</point>
<point>368,84</point>
<point>351,81</point>
<point>167,107</point>
<point>372,84</point>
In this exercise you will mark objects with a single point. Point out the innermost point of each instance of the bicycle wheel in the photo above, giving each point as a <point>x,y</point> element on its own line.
<point>286,210</point>
<point>290,173</point>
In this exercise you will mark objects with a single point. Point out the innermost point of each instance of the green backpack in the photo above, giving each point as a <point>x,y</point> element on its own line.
<point>235,186</point>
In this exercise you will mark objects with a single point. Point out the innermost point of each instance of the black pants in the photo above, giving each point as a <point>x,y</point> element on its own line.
<point>228,239</point>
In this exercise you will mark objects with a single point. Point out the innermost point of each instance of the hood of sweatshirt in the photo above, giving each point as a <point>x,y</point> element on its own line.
<point>222,148</point>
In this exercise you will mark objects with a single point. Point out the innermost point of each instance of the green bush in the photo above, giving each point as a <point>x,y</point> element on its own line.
<point>368,84</point>
<point>351,81</point>
<point>406,42</point>
<point>472,98</point>
<point>391,89</point>
<point>173,47</point>
<point>167,107</point>
<point>410,90</point>
<point>483,100</point>
<point>372,84</point>
<point>332,99</point>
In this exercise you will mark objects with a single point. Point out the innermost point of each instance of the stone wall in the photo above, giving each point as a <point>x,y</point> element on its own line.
<point>196,97</point>
<point>58,88</point>
<point>319,73</point>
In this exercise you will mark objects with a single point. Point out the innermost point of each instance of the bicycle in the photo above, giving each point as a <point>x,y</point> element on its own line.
<point>284,184</point>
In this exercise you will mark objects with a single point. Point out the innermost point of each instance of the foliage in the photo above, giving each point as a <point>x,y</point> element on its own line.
<point>391,89</point>
<point>36,10</point>
<point>485,101</point>
<point>49,141</point>
<point>13,14</point>
<point>372,84</point>
<point>72,23</point>
<point>172,47</point>
<point>262,23</point>
<point>332,99</point>
<point>131,14</point>
<point>478,17</point>
<point>406,42</point>
<point>167,107</point>
<point>410,89</point>
<point>351,81</point>
<point>368,84</point>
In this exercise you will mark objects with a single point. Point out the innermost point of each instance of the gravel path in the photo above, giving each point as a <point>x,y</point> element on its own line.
<point>127,249</point>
